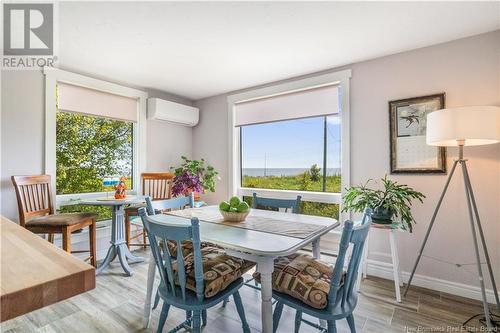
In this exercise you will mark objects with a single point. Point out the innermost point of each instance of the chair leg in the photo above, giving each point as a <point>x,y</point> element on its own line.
<point>332,327</point>
<point>277,315</point>
<point>196,321</point>
<point>157,299</point>
<point>254,280</point>
<point>50,238</point>
<point>163,317</point>
<point>144,239</point>
<point>350,321</point>
<point>127,229</point>
<point>225,302</point>
<point>298,321</point>
<point>66,236</point>
<point>203,317</point>
<point>241,312</point>
<point>93,251</point>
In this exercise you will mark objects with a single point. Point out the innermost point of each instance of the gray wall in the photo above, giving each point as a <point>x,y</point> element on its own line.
<point>23,132</point>
<point>468,71</point>
<point>167,142</point>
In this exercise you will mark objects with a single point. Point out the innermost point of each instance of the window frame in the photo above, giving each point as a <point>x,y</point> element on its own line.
<point>341,79</point>
<point>52,77</point>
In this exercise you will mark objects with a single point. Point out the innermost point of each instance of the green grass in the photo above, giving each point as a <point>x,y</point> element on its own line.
<point>301,182</point>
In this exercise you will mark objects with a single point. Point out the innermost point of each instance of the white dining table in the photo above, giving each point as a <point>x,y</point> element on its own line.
<point>257,246</point>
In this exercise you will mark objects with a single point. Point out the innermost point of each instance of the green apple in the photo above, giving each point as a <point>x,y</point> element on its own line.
<point>243,207</point>
<point>224,206</point>
<point>234,202</point>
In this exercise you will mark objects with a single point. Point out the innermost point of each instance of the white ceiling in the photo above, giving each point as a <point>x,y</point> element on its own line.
<point>203,49</point>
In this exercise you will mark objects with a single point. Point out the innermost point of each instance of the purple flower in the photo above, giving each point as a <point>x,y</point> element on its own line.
<point>185,183</point>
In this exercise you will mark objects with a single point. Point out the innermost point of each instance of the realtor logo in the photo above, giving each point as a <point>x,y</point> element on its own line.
<point>28,29</point>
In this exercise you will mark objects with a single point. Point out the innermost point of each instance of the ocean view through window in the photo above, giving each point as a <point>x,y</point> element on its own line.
<point>290,155</point>
<point>296,155</point>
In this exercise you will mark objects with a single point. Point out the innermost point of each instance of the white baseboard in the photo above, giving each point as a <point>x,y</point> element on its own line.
<point>384,270</point>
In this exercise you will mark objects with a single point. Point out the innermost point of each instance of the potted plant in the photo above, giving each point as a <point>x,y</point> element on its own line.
<point>390,204</point>
<point>193,176</point>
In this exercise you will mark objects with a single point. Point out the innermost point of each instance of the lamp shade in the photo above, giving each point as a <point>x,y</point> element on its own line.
<point>469,126</point>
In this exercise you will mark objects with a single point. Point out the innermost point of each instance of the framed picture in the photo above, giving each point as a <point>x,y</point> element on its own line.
<point>408,125</point>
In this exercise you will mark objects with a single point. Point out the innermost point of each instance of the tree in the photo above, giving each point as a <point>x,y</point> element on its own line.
<point>315,173</point>
<point>89,149</point>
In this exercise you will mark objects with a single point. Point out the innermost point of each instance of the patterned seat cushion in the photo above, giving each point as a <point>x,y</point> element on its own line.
<point>219,270</point>
<point>302,277</point>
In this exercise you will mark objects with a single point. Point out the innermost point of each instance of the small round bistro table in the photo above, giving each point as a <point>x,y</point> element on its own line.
<point>118,245</point>
<point>396,271</point>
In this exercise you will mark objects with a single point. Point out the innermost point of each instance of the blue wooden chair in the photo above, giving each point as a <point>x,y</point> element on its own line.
<point>273,204</point>
<point>172,288</point>
<point>276,204</point>
<point>157,206</point>
<point>154,207</point>
<point>343,296</point>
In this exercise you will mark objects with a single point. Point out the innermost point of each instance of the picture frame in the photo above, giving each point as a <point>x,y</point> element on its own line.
<point>408,124</point>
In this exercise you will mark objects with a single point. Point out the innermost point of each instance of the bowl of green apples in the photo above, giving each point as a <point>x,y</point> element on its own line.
<point>234,210</point>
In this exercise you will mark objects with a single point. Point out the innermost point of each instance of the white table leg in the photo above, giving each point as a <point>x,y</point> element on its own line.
<point>316,249</point>
<point>266,267</point>
<point>365,256</point>
<point>149,290</point>
<point>395,263</point>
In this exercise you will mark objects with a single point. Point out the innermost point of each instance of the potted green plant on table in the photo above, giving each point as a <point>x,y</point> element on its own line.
<point>392,204</point>
<point>193,176</point>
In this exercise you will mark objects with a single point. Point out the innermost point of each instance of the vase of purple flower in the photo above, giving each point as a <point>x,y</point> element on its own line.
<point>193,176</point>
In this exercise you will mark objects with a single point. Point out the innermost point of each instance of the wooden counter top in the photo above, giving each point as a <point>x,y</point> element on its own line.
<point>35,273</point>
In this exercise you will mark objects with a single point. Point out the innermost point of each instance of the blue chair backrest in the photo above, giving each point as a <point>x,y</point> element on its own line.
<point>175,229</point>
<point>176,203</point>
<point>266,203</point>
<point>355,236</point>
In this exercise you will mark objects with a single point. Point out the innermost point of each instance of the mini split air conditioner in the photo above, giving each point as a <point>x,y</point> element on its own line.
<point>180,114</point>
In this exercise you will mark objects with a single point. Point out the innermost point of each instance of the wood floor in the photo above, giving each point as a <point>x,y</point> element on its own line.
<point>116,306</point>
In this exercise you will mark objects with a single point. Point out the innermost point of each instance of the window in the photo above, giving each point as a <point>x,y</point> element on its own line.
<point>292,155</point>
<point>292,139</point>
<point>94,130</point>
<point>89,149</point>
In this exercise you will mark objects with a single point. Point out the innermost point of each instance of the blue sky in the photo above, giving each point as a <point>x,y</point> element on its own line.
<point>291,144</point>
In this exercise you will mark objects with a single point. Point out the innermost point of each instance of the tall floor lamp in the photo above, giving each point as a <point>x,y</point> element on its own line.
<point>459,127</point>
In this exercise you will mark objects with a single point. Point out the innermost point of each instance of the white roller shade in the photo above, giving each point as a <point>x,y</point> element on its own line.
<point>96,103</point>
<point>314,102</point>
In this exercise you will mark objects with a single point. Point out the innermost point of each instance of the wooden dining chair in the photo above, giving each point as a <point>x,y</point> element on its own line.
<point>183,283</point>
<point>157,186</point>
<point>341,297</point>
<point>36,213</point>
<point>277,204</point>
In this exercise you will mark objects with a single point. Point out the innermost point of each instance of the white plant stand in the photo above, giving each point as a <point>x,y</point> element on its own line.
<point>392,229</point>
